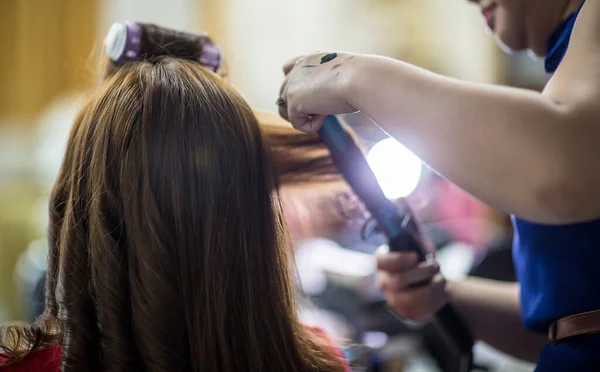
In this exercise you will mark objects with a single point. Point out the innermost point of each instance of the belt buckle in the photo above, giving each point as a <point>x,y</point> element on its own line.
<point>552,332</point>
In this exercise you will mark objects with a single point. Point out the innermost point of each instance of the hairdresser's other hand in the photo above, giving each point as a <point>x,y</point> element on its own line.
<point>415,291</point>
<point>315,86</point>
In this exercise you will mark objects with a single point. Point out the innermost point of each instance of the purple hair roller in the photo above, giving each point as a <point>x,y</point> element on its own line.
<point>123,44</point>
<point>211,56</point>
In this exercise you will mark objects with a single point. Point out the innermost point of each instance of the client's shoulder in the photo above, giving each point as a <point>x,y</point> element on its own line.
<point>43,360</point>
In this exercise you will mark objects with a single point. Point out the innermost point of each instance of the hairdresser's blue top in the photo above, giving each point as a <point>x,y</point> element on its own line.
<point>558,43</point>
<point>558,266</point>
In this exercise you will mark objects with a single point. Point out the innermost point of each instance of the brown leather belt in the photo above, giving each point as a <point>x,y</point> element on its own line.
<point>575,325</point>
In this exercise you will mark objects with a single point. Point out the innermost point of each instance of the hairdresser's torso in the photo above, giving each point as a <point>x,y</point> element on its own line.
<point>557,265</point>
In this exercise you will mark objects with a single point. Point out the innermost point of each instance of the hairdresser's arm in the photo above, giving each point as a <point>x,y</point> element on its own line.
<point>528,153</point>
<point>531,154</point>
<point>518,150</point>
<point>492,311</point>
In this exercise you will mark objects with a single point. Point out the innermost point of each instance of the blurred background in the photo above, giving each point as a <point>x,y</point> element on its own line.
<point>50,57</point>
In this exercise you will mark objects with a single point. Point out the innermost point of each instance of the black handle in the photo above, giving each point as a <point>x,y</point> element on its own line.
<point>455,342</point>
<point>452,343</point>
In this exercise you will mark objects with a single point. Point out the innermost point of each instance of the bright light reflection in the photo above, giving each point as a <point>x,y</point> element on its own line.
<point>397,169</point>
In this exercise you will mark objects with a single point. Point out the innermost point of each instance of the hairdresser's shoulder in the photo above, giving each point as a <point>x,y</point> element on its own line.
<point>586,32</point>
<point>577,80</point>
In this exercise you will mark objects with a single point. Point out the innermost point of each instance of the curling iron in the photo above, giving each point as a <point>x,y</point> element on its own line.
<point>454,342</point>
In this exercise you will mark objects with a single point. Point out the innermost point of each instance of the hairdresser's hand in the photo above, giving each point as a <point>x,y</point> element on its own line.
<point>315,86</point>
<point>415,291</point>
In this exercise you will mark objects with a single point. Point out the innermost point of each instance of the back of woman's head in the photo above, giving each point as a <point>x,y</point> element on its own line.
<point>167,244</point>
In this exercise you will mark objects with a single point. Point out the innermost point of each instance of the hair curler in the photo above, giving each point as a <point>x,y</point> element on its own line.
<point>131,41</point>
<point>453,343</point>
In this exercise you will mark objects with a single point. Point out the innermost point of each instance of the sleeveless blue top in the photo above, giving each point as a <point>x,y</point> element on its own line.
<point>558,266</point>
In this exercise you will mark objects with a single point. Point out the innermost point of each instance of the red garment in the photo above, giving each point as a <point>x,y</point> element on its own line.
<point>48,360</point>
<point>332,346</point>
<point>43,360</point>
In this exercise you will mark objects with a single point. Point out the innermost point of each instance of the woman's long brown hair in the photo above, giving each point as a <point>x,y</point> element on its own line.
<point>167,243</point>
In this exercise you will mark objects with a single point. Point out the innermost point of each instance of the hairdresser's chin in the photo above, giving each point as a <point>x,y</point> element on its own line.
<point>521,25</point>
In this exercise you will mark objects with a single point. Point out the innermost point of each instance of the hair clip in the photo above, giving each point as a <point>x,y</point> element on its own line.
<point>123,42</point>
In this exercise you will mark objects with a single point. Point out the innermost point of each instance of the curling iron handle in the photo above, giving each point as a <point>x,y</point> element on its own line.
<point>447,317</point>
<point>409,239</point>
<point>402,230</point>
<point>449,322</point>
<point>455,327</point>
